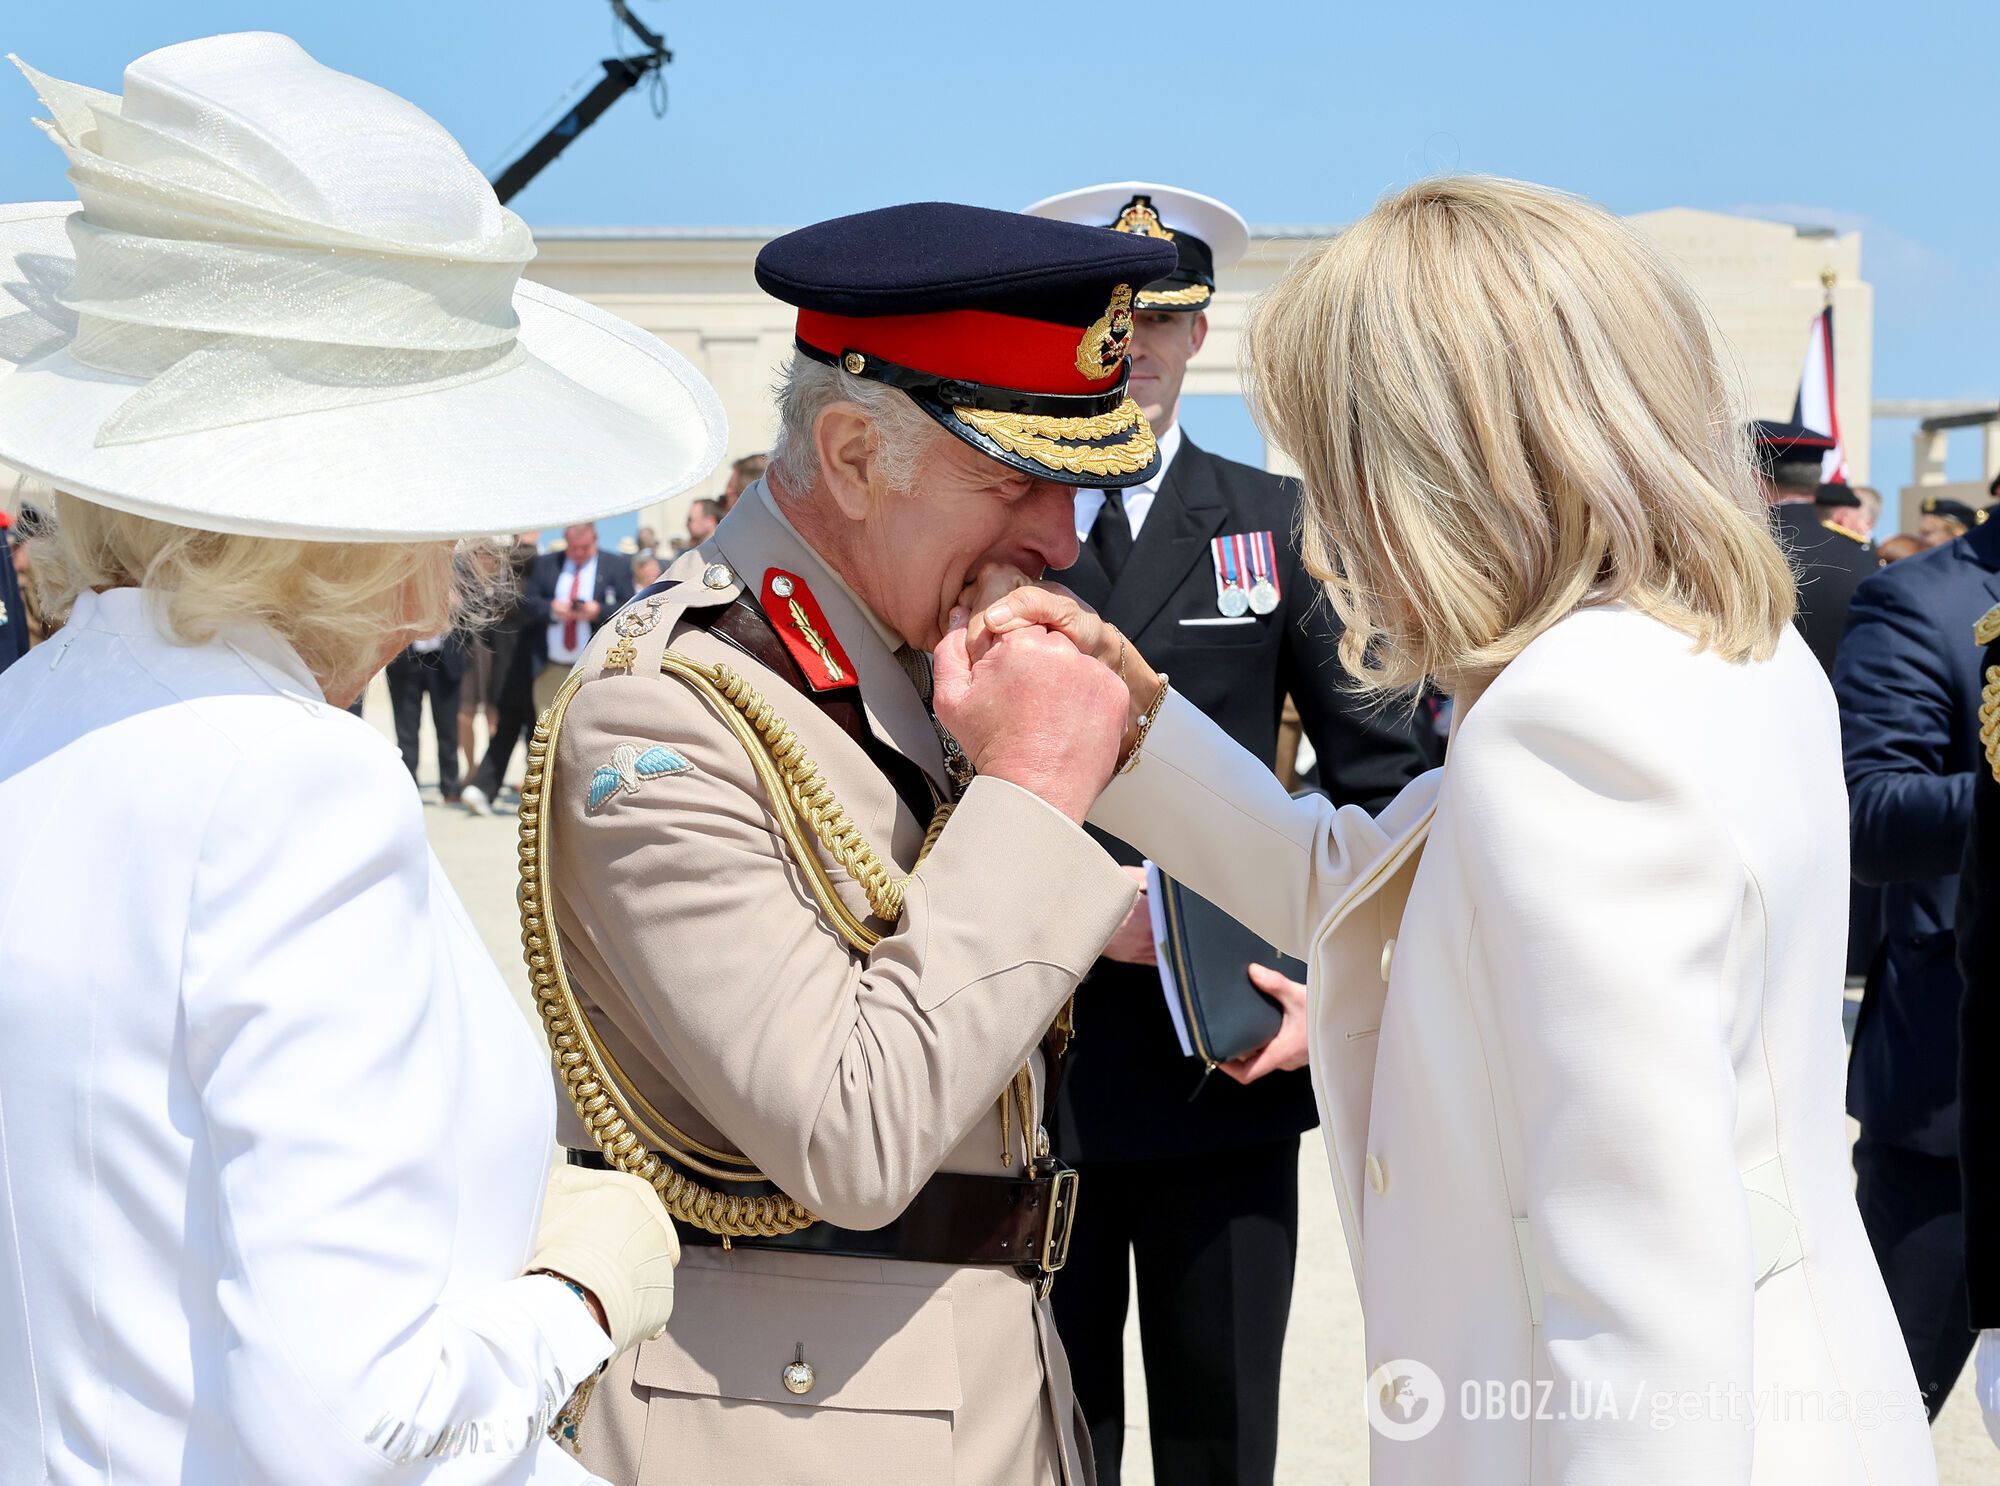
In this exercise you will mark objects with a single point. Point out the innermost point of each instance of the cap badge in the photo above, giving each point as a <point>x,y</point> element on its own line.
<point>1103,347</point>
<point>1140,218</point>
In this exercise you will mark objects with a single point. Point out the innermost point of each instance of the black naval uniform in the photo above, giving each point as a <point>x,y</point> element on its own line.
<point>1978,924</point>
<point>1200,1189</point>
<point>1830,562</point>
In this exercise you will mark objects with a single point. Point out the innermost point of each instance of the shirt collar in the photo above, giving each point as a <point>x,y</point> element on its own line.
<point>1170,445</point>
<point>133,612</point>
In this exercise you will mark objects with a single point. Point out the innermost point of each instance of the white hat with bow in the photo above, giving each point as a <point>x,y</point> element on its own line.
<point>286,304</point>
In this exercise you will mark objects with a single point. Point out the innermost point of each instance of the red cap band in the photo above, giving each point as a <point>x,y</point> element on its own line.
<point>980,346</point>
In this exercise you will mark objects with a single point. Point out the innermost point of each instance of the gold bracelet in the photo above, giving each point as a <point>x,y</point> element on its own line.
<point>1131,760</point>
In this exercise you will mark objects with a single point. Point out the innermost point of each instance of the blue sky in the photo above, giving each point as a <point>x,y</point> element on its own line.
<point>1854,115</point>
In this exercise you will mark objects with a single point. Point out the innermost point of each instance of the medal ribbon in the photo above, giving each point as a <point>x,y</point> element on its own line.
<point>1223,550</point>
<point>1264,558</point>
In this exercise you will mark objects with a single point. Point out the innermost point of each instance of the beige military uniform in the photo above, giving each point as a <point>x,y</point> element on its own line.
<point>713,977</point>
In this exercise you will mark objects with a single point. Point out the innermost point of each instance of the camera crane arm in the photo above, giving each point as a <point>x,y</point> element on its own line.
<point>621,76</point>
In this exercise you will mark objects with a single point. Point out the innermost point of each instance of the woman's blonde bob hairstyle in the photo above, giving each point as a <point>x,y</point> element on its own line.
<point>340,605</point>
<point>1505,403</point>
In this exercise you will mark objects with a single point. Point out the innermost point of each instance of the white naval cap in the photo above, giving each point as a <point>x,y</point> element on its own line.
<point>1209,234</point>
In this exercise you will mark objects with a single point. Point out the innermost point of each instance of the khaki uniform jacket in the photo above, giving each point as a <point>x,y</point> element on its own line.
<point>692,938</point>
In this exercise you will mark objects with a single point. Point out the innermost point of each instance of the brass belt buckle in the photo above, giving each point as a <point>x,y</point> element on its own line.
<point>1063,1187</point>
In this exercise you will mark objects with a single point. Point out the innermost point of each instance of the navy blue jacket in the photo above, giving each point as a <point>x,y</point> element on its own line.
<point>1979,1036</point>
<point>1907,679</point>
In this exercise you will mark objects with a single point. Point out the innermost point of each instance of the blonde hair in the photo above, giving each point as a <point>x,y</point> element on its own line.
<point>1504,403</point>
<point>340,605</point>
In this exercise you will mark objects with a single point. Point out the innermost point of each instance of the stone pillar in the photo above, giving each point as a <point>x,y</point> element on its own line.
<point>1927,457</point>
<point>1989,449</point>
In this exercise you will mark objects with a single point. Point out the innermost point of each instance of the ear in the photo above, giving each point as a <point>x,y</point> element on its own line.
<point>843,435</point>
<point>1199,333</point>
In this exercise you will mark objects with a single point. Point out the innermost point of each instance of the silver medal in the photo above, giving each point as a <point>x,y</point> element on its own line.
<point>1263,596</point>
<point>1233,602</point>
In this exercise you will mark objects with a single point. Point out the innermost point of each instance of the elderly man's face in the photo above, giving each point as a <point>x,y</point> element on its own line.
<point>580,542</point>
<point>917,549</point>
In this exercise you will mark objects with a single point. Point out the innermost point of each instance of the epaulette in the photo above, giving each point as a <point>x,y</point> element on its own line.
<point>1838,530</point>
<point>1987,630</point>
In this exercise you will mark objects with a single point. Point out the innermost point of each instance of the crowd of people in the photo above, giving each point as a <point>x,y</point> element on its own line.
<point>846,860</point>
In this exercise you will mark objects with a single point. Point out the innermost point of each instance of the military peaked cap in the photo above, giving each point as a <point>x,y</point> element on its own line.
<point>1010,331</point>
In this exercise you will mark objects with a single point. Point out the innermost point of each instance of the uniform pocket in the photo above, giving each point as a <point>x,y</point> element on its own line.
<point>878,1365</point>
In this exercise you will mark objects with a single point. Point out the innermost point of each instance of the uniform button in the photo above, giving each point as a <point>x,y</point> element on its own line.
<point>1388,959</point>
<point>798,1375</point>
<point>717,575</point>
<point>1378,1175</point>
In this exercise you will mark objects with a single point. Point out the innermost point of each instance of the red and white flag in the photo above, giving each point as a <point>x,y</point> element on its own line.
<point>1814,406</point>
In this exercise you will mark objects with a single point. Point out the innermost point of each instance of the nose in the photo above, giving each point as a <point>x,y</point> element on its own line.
<point>1050,528</point>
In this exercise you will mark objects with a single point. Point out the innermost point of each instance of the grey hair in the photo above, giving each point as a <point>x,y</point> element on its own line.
<point>808,388</point>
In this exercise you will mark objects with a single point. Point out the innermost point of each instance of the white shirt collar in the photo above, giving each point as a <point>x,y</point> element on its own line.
<point>130,611</point>
<point>1138,498</point>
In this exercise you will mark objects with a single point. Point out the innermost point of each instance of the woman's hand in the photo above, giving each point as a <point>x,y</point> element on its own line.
<point>609,1233</point>
<point>1032,711</point>
<point>1287,1048</point>
<point>1002,600</point>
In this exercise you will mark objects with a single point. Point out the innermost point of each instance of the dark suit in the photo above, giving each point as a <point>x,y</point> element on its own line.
<point>1907,680</point>
<point>1978,923</point>
<point>514,665</point>
<point>1200,1189</point>
<point>437,674</point>
<point>612,587</point>
<point>1831,563</point>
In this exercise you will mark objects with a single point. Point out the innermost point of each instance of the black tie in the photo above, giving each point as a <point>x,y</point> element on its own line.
<point>1111,535</point>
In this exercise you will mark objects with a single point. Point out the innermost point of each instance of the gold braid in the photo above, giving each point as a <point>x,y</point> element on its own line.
<point>622,1123</point>
<point>1985,632</point>
<point>1989,719</point>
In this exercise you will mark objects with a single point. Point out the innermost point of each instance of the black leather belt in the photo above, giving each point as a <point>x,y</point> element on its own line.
<point>958,1218</point>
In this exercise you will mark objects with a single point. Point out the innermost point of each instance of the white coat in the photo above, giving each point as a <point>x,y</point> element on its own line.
<point>273,1135</point>
<point>1575,1026</point>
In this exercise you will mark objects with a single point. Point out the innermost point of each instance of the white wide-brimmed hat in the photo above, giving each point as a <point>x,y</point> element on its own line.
<point>286,304</point>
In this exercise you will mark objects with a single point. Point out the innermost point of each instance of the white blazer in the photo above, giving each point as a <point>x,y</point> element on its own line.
<point>273,1135</point>
<point>1576,1036</point>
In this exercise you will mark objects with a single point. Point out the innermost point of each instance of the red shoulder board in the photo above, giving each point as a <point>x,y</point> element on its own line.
<point>800,622</point>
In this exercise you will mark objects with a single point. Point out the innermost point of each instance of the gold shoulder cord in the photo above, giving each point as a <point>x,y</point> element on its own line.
<point>1985,633</point>
<point>625,1125</point>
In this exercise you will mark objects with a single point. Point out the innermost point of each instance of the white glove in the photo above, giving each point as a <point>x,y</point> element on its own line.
<point>1986,1379</point>
<point>609,1232</point>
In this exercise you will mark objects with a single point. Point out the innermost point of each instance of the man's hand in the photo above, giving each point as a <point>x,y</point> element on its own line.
<point>1034,711</point>
<point>1133,943</point>
<point>1287,1049</point>
<point>588,609</point>
<point>562,609</point>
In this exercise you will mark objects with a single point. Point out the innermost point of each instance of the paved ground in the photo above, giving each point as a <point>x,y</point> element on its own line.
<point>1325,1434</point>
